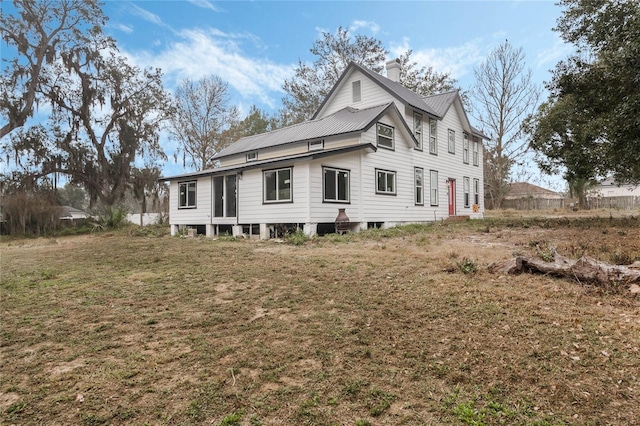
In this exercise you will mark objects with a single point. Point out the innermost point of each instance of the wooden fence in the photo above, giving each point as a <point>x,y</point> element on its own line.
<point>619,203</point>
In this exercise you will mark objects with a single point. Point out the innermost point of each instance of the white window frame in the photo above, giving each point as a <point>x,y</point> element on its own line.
<point>277,188</point>
<point>387,174</point>
<point>475,151</point>
<point>433,187</point>
<point>418,173</point>
<point>433,136</point>
<point>356,91</point>
<point>186,186</point>
<point>252,156</point>
<point>466,189</point>
<point>418,125</point>
<point>476,192</point>
<point>336,171</point>
<point>452,141</point>
<point>380,126</point>
<point>465,148</point>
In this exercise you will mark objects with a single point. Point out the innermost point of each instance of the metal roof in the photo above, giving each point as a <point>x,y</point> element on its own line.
<point>344,121</point>
<point>272,161</point>
<point>441,102</point>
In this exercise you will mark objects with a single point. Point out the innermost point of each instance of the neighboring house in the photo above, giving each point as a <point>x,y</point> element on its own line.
<point>518,190</point>
<point>610,188</point>
<point>381,152</point>
<point>71,213</point>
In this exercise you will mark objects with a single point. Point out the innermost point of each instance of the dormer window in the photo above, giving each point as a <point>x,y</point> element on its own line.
<point>316,145</point>
<point>355,90</point>
<point>252,156</point>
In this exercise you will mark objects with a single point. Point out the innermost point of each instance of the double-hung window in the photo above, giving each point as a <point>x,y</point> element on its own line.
<point>465,148</point>
<point>417,129</point>
<point>385,182</point>
<point>433,185</point>
<point>385,136</point>
<point>476,192</point>
<point>419,179</point>
<point>335,184</point>
<point>187,195</point>
<point>452,141</point>
<point>465,183</point>
<point>277,185</point>
<point>475,151</point>
<point>433,136</point>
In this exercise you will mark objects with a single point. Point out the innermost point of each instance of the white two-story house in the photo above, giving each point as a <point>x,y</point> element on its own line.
<point>381,152</point>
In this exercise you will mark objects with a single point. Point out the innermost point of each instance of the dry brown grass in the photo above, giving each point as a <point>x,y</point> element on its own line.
<point>377,328</point>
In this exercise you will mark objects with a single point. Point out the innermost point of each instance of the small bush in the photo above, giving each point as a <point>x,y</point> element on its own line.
<point>467,266</point>
<point>113,218</point>
<point>297,238</point>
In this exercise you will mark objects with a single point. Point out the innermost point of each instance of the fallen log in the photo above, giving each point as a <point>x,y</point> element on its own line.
<point>585,270</point>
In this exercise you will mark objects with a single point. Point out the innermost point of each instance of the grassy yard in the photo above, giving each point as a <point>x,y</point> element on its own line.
<point>386,327</point>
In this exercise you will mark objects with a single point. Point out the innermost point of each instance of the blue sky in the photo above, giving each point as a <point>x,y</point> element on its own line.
<point>256,45</point>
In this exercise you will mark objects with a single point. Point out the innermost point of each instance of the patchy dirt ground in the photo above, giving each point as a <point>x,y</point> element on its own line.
<point>383,327</point>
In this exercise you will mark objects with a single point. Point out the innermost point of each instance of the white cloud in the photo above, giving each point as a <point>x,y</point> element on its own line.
<point>458,61</point>
<point>370,25</point>
<point>124,28</point>
<point>559,50</point>
<point>146,15</point>
<point>199,53</point>
<point>205,4</point>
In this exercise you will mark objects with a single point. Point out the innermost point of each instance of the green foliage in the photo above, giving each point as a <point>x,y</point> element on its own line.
<point>113,218</point>
<point>467,266</point>
<point>231,420</point>
<point>600,84</point>
<point>296,238</point>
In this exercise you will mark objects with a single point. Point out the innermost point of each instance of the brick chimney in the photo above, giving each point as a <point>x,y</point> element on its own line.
<point>393,70</point>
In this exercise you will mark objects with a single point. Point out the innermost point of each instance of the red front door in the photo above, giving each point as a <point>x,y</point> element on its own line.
<point>451,189</point>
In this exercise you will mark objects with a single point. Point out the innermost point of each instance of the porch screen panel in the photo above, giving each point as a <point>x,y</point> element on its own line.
<point>230,195</point>
<point>218,196</point>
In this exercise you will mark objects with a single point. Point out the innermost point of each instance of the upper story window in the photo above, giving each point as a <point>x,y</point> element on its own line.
<point>277,185</point>
<point>385,136</point>
<point>187,195</point>
<point>356,91</point>
<point>252,156</point>
<point>335,185</point>
<point>465,148</point>
<point>452,141</point>
<point>315,145</point>
<point>433,136</point>
<point>475,151</point>
<point>417,129</point>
